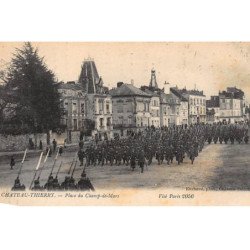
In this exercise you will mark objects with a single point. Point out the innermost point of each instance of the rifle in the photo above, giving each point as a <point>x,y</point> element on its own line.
<point>74,169</point>
<point>72,163</point>
<point>37,167</point>
<point>54,163</point>
<point>44,163</point>
<point>24,156</point>
<point>59,169</point>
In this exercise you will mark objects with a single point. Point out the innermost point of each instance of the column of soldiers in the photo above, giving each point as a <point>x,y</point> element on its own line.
<point>140,148</point>
<point>163,144</point>
<point>52,183</point>
<point>223,132</point>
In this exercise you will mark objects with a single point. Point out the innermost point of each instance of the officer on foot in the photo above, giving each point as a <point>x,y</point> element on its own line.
<point>12,162</point>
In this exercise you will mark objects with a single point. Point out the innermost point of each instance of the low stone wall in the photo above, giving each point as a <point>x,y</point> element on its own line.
<point>21,142</point>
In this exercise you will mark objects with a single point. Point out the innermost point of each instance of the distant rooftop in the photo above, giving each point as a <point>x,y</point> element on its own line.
<point>126,89</point>
<point>178,94</point>
<point>232,92</point>
<point>70,85</point>
<point>184,91</point>
<point>214,102</point>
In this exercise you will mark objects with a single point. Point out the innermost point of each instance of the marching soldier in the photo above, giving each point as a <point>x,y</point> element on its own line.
<point>18,186</point>
<point>84,184</point>
<point>54,142</point>
<point>37,185</point>
<point>81,156</point>
<point>141,160</point>
<point>12,162</point>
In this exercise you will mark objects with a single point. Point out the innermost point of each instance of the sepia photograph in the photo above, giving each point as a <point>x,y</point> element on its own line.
<point>108,123</point>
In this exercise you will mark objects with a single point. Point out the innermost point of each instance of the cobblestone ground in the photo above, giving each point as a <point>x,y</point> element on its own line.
<point>218,166</point>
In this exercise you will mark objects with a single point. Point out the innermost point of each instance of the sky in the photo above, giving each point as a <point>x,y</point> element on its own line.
<point>205,66</point>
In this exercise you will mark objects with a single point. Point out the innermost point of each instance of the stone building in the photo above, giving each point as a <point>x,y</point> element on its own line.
<point>170,110</point>
<point>183,109</point>
<point>98,104</point>
<point>87,103</point>
<point>196,105</point>
<point>213,109</point>
<point>131,108</point>
<point>154,106</point>
<point>73,104</point>
<point>166,109</point>
<point>232,105</point>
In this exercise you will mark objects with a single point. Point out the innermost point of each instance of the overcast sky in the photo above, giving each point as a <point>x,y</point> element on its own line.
<point>208,66</point>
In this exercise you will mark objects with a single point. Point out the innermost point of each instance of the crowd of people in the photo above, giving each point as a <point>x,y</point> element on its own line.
<point>141,148</point>
<point>162,144</point>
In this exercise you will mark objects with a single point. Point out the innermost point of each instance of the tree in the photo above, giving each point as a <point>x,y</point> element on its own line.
<point>33,89</point>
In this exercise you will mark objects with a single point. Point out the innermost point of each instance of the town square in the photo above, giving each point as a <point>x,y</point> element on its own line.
<point>87,135</point>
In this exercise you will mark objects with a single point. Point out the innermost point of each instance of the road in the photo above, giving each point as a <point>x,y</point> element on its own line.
<point>217,167</point>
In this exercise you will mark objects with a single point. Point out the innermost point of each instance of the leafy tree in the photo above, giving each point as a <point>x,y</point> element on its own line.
<point>33,89</point>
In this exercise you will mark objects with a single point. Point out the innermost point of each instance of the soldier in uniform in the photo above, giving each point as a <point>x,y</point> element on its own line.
<point>72,185</point>
<point>37,185</point>
<point>141,160</point>
<point>80,156</point>
<point>54,142</point>
<point>65,184</point>
<point>84,183</point>
<point>18,186</point>
<point>49,183</point>
<point>60,150</point>
<point>81,144</point>
<point>133,160</point>
<point>246,139</point>
<point>12,162</point>
<point>55,183</point>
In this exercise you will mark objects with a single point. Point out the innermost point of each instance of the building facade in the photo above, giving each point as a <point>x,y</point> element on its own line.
<point>87,104</point>
<point>196,105</point>
<point>213,109</point>
<point>229,106</point>
<point>98,100</point>
<point>183,110</point>
<point>73,103</point>
<point>131,108</point>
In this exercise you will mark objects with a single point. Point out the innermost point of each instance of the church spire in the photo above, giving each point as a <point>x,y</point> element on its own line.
<point>153,82</point>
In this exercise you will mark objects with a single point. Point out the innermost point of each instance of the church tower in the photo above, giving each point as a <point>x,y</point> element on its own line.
<point>153,82</point>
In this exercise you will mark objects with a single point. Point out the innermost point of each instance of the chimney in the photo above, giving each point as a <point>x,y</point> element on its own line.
<point>119,84</point>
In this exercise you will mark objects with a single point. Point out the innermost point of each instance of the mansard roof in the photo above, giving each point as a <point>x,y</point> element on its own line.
<point>128,90</point>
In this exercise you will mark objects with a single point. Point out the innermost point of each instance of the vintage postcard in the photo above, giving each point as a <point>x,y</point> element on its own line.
<point>133,123</point>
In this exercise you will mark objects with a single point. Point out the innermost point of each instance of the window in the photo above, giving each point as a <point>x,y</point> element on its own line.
<point>107,107</point>
<point>101,122</point>
<point>129,120</point>
<point>74,107</point>
<point>101,105</point>
<point>75,124</point>
<point>120,108</point>
<point>82,108</point>
<point>108,121</point>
